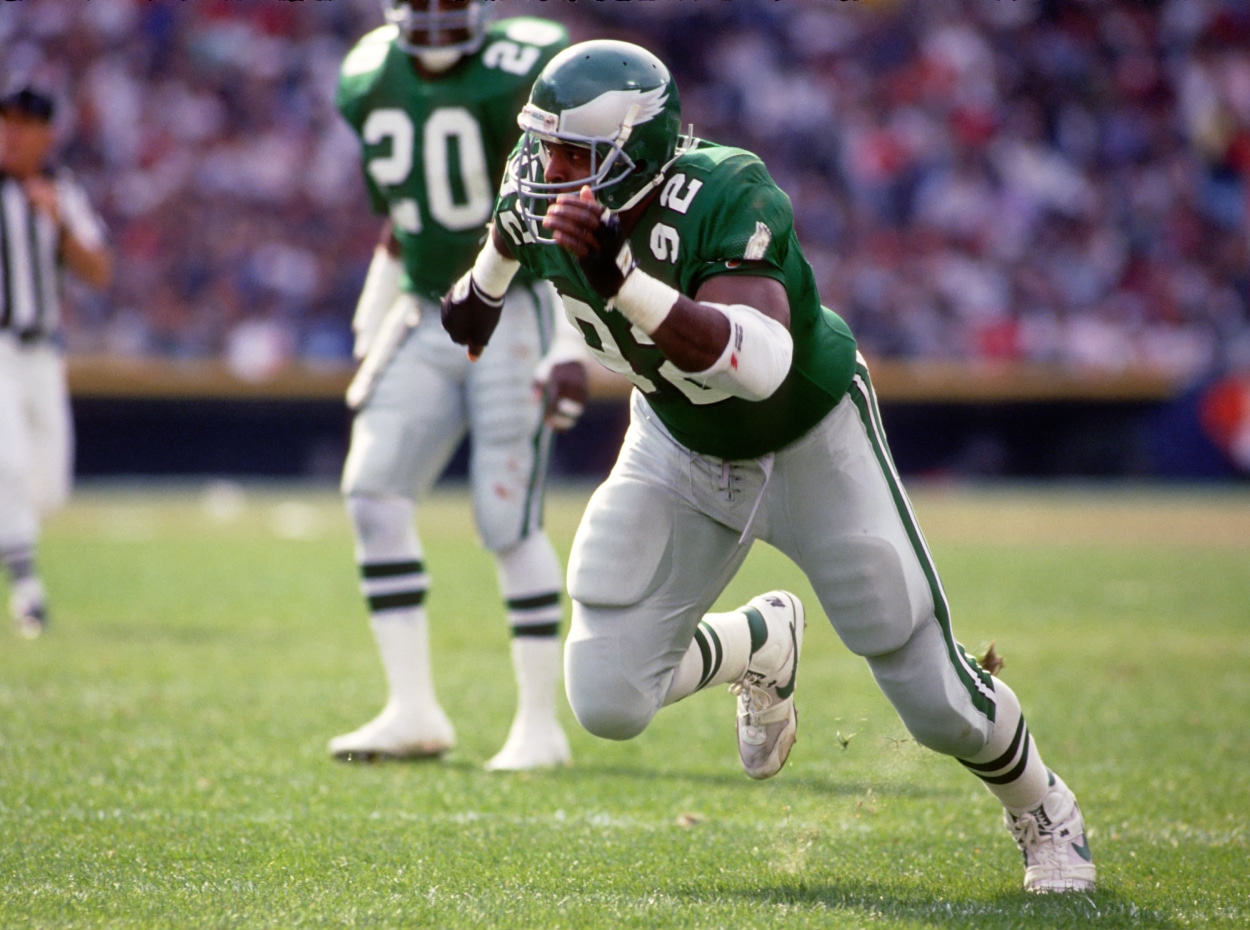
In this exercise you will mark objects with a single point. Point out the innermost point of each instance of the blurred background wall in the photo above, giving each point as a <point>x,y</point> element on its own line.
<point>1033,214</point>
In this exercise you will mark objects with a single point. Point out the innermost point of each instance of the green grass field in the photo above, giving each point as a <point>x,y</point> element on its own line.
<point>163,764</point>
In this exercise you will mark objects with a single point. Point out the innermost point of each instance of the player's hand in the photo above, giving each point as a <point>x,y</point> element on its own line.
<point>563,390</point>
<point>470,315</point>
<point>594,235</point>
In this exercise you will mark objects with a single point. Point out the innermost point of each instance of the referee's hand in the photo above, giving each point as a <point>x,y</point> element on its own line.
<point>42,194</point>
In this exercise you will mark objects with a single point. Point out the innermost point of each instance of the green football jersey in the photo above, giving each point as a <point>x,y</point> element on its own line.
<point>718,213</point>
<point>433,151</point>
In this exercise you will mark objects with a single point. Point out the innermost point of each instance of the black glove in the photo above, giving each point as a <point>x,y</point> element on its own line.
<point>470,315</point>
<point>602,265</point>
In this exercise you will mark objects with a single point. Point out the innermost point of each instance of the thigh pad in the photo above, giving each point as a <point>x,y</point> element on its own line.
<point>621,543</point>
<point>865,589</point>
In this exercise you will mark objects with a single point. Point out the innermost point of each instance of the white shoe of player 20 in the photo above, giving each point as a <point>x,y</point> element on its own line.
<point>397,734</point>
<point>767,720</point>
<point>1052,838</point>
<point>532,745</point>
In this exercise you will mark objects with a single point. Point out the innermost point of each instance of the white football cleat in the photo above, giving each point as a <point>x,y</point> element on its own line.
<point>532,746</point>
<point>767,719</point>
<point>1052,838</point>
<point>28,610</point>
<point>397,734</point>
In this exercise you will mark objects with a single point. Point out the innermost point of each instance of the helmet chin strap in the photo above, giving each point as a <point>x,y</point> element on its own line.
<point>439,59</point>
<point>627,129</point>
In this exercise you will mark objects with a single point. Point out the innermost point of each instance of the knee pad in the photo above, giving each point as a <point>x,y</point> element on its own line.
<point>948,732</point>
<point>604,702</point>
<point>394,453</point>
<point>502,524</point>
<point>384,528</point>
<point>52,495</point>
<point>935,704</point>
<point>508,484</point>
<point>865,591</point>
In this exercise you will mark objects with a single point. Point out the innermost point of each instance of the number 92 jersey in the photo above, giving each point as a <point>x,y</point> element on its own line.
<point>433,151</point>
<point>718,212</point>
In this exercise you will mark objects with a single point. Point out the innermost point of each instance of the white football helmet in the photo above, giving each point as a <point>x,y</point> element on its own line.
<point>438,32</point>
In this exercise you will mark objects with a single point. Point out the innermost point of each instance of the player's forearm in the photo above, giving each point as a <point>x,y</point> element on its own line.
<point>693,335</point>
<point>737,347</point>
<point>387,240</point>
<point>471,309</point>
<point>377,297</point>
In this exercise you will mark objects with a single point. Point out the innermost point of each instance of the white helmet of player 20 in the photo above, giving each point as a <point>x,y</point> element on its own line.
<point>438,32</point>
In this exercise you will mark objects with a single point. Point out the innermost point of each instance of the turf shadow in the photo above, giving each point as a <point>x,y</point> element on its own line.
<point>813,784</point>
<point>906,899</point>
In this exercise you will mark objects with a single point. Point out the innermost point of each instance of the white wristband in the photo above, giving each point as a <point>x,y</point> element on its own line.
<point>492,271</point>
<point>645,301</point>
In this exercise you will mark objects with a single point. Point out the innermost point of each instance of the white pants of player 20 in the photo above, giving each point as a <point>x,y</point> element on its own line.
<point>430,396</point>
<point>661,538</point>
<point>36,438</point>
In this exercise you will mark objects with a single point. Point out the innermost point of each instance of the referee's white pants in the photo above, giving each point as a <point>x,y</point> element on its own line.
<point>36,438</point>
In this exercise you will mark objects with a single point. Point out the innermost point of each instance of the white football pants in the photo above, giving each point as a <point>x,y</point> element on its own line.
<point>660,540</point>
<point>430,396</point>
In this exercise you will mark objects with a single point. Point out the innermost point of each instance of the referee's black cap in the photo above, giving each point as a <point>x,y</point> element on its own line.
<point>28,102</point>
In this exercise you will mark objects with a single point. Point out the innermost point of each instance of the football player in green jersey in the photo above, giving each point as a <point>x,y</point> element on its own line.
<point>753,417</point>
<point>433,97</point>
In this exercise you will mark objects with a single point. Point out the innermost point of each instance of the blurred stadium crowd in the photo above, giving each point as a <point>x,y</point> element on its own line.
<point>1052,180</point>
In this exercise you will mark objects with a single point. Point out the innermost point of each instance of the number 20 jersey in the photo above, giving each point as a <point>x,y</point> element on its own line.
<point>434,150</point>
<point>718,212</point>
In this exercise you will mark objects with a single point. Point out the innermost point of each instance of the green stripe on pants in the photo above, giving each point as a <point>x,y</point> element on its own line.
<point>975,679</point>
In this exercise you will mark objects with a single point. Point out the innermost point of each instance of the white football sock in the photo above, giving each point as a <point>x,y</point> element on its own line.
<point>537,662</point>
<point>530,580</point>
<point>404,646</point>
<point>718,654</point>
<point>1010,765</point>
<point>394,583</point>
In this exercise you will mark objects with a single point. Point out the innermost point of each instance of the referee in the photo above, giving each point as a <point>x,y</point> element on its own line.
<point>46,224</point>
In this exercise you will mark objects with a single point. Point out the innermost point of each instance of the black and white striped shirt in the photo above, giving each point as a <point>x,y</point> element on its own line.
<point>30,259</point>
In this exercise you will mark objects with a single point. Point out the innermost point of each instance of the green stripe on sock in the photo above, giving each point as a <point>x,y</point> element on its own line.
<point>536,631</point>
<point>757,626</point>
<point>1020,736</point>
<point>372,570</point>
<point>397,601</point>
<point>533,602</point>
<point>710,650</point>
